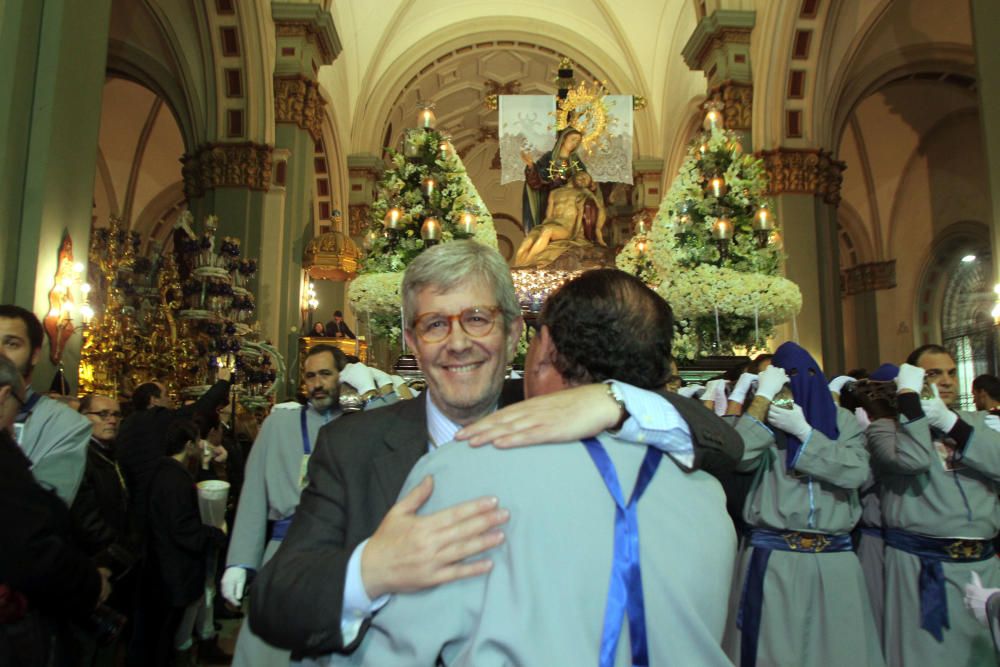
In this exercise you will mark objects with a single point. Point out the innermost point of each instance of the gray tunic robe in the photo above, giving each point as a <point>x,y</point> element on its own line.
<point>815,606</point>
<point>55,441</point>
<point>920,496</point>
<point>271,489</point>
<point>543,602</point>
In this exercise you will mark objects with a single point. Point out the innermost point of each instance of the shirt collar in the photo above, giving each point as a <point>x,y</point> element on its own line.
<point>440,429</point>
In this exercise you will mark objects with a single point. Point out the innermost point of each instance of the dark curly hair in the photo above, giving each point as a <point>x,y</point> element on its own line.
<point>608,324</point>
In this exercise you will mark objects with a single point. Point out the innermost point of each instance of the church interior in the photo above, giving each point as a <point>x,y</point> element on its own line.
<point>871,119</point>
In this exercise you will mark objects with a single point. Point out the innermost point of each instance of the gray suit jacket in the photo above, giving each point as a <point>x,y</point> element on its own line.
<point>543,603</point>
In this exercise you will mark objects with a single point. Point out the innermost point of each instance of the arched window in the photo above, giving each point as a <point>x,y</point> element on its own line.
<point>966,323</point>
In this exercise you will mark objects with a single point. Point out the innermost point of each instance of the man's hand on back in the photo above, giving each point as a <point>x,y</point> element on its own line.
<point>562,416</point>
<point>409,552</point>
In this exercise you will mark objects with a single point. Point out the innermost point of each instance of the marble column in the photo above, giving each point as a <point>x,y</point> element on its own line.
<point>52,67</point>
<point>985,21</point>
<point>305,40</point>
<point>805,185</point>
<point>720,47</point>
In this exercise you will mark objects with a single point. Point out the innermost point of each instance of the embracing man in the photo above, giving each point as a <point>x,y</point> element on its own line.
<point>352,544</point>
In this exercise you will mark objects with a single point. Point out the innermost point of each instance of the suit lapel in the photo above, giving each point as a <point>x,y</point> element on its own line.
<point>405,441</point>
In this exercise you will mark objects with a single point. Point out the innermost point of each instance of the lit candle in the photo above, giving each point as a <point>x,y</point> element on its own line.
<point>718,186</point>
<point>431,230</point>
<point>703,149</point>
<point>762,221</point>
<point>468,223</point>
<point>392,217</point>
<point>722,230</point>
<point>428,184</point>
<point>427,118</point>
<point>712,119</point>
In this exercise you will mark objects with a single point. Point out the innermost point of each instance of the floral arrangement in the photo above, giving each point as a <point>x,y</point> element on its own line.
<point>713,251</point>
<point>453,201</point>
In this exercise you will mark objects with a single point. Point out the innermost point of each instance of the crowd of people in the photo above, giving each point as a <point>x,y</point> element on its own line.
<point>771,517</point>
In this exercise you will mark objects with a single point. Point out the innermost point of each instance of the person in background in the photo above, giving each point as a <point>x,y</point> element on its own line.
<point>178,547</point>
<point>47,581</point>
<point>51,434</point>
<point>940,474</point>
<point>101,514</point>
<point>986,393</point>
<point>337,327</point>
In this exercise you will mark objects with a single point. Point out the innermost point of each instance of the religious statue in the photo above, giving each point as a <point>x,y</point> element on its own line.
<point>553,170</point>
<point>571,231</point>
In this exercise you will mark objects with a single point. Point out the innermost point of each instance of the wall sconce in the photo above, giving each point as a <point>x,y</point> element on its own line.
<point>69,297</point>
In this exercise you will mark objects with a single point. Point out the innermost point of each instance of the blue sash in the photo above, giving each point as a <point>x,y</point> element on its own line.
<point>625,591</point>
<point>932,551</point>
<point>280,527</point>
<point>765,541</point>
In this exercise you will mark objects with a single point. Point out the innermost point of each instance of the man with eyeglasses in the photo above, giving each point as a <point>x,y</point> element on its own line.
<point>51,435</point>
<point>101,512</point>
<point>101,506</point>
<point>352,545</point>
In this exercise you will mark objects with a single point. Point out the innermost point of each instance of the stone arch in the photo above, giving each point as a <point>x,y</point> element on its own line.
<point>374,103</point>
<point>936,279</point>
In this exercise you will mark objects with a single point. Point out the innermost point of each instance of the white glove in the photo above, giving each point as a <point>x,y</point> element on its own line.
<point>691,390</point>
<point>715,391</point>
<point>910,378</point>
<point>863,420</point>
<point>234,580</point>
<point>838,383</point>
<point>938,414</point>
<point>358,376</point>
<point>770,381</point>
<point>791,421</point>
<point>976,597</point>
<point>739,392</point>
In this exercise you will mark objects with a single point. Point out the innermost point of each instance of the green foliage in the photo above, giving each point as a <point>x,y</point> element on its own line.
<point>400,186</point>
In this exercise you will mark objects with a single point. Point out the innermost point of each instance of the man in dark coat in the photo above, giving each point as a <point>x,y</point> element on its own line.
<point>178,546</point>
<point>337,327</point>
<point>351,542</point>
<point>141,440</point>
<point>46,579</point>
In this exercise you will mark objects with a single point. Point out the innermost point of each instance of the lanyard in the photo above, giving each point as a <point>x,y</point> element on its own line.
<point>306,445</point>
<point>625,591</point>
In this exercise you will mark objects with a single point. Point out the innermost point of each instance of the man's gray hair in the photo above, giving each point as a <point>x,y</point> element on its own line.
<point>457,263</point>
<point>10,377</point>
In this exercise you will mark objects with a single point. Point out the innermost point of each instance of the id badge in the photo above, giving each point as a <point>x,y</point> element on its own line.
<point>19,433</point>
<point>304,471</point>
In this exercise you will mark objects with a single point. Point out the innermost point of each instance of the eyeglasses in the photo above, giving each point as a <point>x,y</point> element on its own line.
<point>477,322</point>
<point>106,414</point>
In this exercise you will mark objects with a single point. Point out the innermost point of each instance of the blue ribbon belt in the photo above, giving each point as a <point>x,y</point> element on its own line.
<point>625,590</point>
<point>765,541</point>
<point>932,551</point>
<point>872,531</point>
<point>280,527</point>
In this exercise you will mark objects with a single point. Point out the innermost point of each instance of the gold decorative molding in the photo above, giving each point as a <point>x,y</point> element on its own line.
<point>297,100</point>
<point>804,171</point>
<point>737,105</point>
<point>331,256</point>
<point>211,166</point>
<point>868,277</point>
<point>357,219</point>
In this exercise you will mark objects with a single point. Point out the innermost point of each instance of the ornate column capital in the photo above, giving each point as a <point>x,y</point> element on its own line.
<point>720,46</point>
<point>219,165</point>
<point>737,104</point>
<point>297,100</point>
<point>804,171</point>
<point>309,21</point>
<point>868,277</point>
